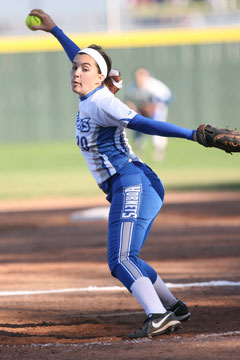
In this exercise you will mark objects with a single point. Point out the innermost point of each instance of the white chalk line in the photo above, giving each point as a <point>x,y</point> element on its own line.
<point>214,283</point>
<point>182,339</point>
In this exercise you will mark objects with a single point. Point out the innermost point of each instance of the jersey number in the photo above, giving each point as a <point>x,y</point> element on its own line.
<point>82,143</point>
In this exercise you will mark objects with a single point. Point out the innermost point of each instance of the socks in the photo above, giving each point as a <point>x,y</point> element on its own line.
<point>143,290</point>
<point>164,293</point>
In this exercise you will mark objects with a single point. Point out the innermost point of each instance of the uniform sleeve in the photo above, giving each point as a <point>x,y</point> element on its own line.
<point>161,128</point>
<point>113,112</point>
<point>70,48</point>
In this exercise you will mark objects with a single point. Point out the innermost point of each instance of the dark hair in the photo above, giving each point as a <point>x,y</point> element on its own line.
<point>105,56</point>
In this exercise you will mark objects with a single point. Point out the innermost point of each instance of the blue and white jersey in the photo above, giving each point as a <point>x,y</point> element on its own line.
<point>100,133</point>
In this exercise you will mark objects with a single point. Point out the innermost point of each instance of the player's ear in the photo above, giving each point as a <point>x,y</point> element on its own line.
<point>100,79</point>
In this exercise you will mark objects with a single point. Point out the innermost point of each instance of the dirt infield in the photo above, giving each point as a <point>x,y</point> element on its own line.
<point>194,241</point>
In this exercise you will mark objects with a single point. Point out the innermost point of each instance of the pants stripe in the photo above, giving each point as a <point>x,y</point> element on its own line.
<point>125,248</point>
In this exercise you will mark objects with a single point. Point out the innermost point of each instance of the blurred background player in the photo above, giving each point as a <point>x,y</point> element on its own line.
<point>150,97</point>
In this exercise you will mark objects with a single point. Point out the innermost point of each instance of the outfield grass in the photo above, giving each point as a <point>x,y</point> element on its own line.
<point>59,170</point>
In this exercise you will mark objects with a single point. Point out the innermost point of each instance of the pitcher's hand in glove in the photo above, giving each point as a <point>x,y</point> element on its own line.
<point>224,139</point>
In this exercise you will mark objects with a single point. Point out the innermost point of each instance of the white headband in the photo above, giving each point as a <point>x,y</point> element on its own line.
<point>98,58</point>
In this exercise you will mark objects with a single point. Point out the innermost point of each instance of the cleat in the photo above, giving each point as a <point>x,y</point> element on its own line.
<point>181,311</point>
<point>157,324</point>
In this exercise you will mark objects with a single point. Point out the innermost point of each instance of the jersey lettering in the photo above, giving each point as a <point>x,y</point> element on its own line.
<point>82,124</point>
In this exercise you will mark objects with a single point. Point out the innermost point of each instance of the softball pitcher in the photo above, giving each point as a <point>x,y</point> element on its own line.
<point>135,192</point>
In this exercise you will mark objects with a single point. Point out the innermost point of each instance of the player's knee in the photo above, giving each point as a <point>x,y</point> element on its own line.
<point>119,272</point>
<point>123,267</point>
<point>124,262</point>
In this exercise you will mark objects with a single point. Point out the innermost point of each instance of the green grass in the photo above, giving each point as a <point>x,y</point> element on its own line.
<point>189,166</point>
<point>59,170</point>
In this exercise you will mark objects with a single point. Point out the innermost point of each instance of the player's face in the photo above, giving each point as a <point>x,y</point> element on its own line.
<point>84,75</point>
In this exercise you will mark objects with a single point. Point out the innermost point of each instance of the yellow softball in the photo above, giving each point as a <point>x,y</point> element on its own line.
<point>32,20</point>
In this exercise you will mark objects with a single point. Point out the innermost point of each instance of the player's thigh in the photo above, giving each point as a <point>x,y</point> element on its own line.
<point>134,205</point>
